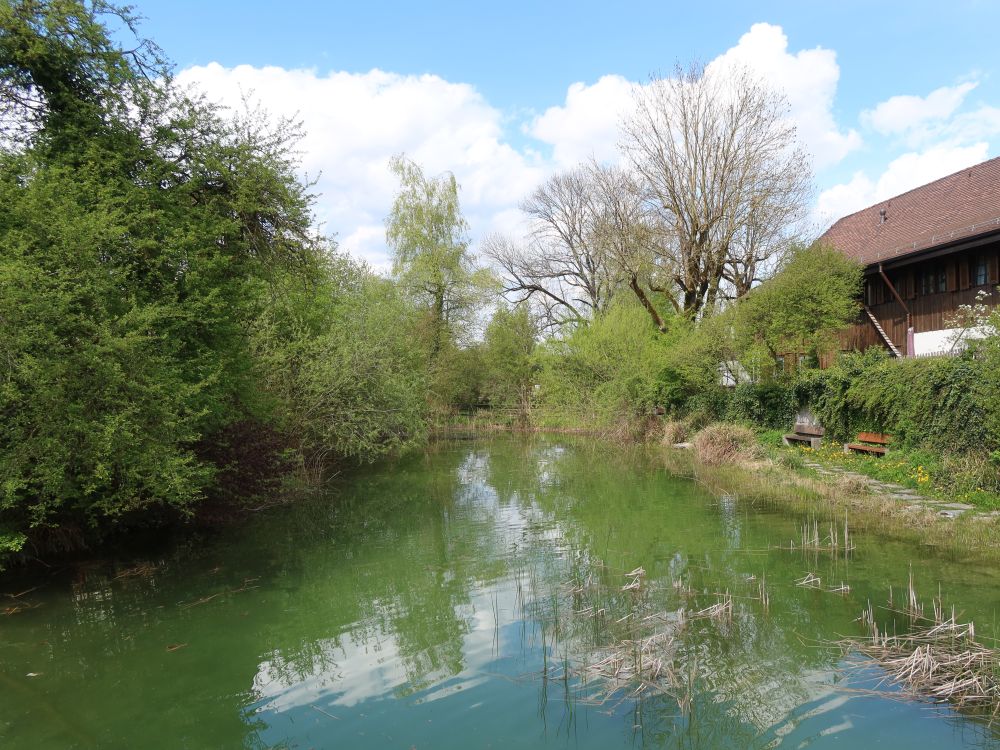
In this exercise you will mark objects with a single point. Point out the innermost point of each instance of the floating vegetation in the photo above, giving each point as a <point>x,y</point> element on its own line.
<point>810,581</point>
<point>635,581</point>
<point>721,611</point>
<point>635,639</point>
<point>762,596</point>
<point>938,658</point>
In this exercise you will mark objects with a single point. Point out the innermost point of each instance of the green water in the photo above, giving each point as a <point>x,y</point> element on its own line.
<point>451,600</point>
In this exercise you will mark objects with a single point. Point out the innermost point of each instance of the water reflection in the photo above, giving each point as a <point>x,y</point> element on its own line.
<point>449,601</point>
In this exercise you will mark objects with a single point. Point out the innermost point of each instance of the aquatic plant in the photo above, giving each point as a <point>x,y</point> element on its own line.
<point>937,658</point>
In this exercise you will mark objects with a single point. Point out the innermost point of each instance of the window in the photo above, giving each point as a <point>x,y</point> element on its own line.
<point>927,282</point>
<point>934,280</point>
<point>980,275</point>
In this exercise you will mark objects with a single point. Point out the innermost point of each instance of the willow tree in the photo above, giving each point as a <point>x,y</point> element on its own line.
<point>430,250</point>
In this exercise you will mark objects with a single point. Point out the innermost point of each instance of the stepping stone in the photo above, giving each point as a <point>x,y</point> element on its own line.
<point>956,506</point>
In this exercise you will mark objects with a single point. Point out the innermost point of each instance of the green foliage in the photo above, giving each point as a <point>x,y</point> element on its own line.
<point>162,290</point>
<point>615,366</point>
<point>456,377</point>
<point>431,260</point>
<point>769,404</point>
<point>510,342</point>
<point>935,403</point>
<point>337,361</point>
<point>799,310</point>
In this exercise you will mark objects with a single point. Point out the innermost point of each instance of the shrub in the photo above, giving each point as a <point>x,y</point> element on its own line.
<point>931,403</point>
<point>610,368</point>
<point>771,405</point>
<point>674,431</point>
<point>722,443</point>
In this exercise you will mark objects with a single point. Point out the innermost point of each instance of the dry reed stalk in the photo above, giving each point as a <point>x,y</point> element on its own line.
<point>939,659</point>
<point>810,581</point>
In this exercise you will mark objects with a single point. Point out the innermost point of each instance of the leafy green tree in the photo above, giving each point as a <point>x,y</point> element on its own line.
<point>64,79</point>
<point>615,367</point>
<point>799,310</point>
<point>346,380</point>
<point>510,342</point>
<point>436,271</point>
<point>164,300</point>
<point>431,259</point>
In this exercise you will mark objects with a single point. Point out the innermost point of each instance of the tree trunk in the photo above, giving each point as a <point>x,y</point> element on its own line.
<point>657,320</point>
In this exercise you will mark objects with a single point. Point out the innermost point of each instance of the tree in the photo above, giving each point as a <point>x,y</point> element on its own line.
<point>800,310</point>
<point>626,234</point>
<point>510,368</point>
<point>338,361</point>
<point>561,267</point>
<point>717,161</point>
<point>431,259</point>
<point>62,76</point>
<point>614,367</point>
<point>165,302</point>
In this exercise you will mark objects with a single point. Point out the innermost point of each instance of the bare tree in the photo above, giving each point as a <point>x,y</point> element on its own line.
<point>560,267</point>
<point>718,162</point>
<point>626,233</point>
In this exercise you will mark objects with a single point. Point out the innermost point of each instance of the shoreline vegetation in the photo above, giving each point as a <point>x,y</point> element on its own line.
<point>180,342</point>
<point>736,461</point>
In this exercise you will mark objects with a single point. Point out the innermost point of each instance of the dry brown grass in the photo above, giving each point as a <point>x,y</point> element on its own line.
<point>939,657</point>
<point>674,431</point>
<point>850,484</point>
<point>722,443</point>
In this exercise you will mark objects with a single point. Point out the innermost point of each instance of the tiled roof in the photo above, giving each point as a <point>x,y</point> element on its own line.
<point>961,205</point>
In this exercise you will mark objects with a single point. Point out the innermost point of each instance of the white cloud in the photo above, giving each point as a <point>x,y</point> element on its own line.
<point>899,114</point>
<point>355,122</point>
<point>586,124</point>
<point>808,78</point>
<point>904,173</point>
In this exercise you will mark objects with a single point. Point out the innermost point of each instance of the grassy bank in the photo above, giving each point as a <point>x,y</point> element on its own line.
<point>759,472</point>
<point>946,478</point>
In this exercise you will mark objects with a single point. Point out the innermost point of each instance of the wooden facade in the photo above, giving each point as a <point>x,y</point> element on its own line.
<point>932,285</point>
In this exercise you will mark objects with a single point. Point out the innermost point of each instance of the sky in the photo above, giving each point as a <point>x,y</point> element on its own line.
<point>885,97</point>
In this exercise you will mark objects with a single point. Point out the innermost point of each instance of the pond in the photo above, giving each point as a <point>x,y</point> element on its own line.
<point>483,594</point>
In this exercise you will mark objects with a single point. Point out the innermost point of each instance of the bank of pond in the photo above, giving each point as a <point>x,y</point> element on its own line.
<point>510,592</point>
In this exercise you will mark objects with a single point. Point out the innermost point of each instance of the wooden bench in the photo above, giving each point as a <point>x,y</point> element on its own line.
<point>873,443</point>
<point>805,433</point>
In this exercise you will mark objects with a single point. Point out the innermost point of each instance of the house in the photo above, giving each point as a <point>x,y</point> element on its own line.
<point>925,253</point>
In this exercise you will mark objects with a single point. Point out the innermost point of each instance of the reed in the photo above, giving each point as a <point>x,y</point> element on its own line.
<point>938,658</point>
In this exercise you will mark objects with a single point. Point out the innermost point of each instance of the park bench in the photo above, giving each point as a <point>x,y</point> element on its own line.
<point>805,433</point>
<point>873,443</point>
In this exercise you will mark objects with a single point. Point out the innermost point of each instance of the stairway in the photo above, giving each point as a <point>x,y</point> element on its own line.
<point>881,332</point>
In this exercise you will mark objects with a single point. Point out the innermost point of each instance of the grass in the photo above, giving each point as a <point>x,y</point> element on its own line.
<point>779,480</point>
<point>928,473</point>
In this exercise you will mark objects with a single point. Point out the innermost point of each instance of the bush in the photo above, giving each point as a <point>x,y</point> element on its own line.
<point>936,403</point>
<point>674,431</point>
<point>723,443</point>
<point>611,368</point>
<point>772,405</point>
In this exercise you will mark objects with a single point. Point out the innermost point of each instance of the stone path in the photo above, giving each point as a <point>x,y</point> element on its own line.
<point>915,502</point>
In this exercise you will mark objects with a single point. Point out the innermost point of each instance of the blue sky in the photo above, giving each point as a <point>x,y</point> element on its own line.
<point>887,96</point>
